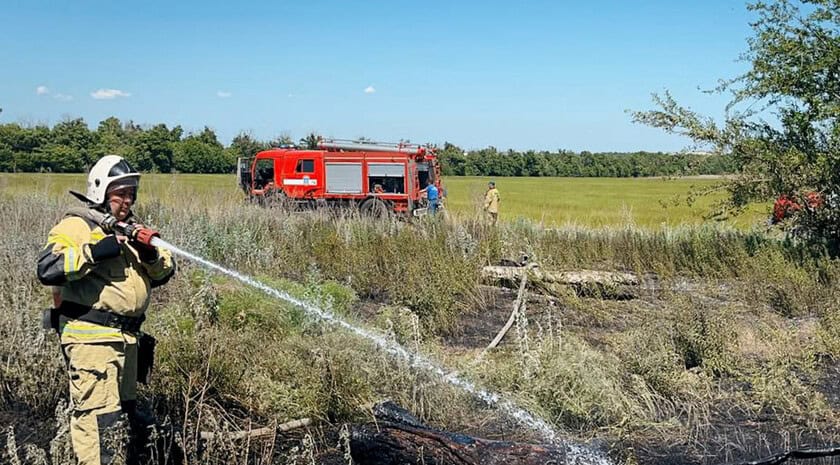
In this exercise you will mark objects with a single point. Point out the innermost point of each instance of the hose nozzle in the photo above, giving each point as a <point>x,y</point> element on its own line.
<point>110,224</point>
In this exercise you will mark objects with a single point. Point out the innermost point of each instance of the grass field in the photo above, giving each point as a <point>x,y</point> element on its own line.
<point>588,202</point>
<point>728,351</point>
<point>595,202</point>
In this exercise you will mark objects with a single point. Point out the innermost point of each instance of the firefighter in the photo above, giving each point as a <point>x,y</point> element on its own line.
<point>491,202</point>
<point>101,281</point>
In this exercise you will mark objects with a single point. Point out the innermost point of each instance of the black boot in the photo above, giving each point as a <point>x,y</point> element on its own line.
<point>113,437</point>
<point>151,442</point>
<point>140,424</point>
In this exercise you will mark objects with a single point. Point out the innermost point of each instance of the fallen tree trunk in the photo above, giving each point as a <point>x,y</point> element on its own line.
<point>514,273</point>
<point>590,283</point>
<point>392,444</point>
<point>258,432</point>
<point>399,438</point>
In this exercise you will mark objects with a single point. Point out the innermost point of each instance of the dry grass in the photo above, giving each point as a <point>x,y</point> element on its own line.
<point>737,331</point>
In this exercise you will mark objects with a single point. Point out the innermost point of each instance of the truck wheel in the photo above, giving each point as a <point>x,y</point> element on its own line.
<point>374,208</point>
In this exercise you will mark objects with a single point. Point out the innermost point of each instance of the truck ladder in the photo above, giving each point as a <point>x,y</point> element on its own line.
<point>369,146</point>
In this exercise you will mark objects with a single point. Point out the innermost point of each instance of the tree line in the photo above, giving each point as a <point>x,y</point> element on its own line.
<point>492,162</point>
<point>71,147</point>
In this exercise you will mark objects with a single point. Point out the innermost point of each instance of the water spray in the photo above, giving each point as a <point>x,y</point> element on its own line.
<point>415,360</point>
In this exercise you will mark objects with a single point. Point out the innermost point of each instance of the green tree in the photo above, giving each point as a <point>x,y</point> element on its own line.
<point>112,138</point>
<point>283,140</point>
<point>62,158</point>
<point>152,150</point>
<point>794,77</point>
<point>203,153</point>
<point>208,136</point>
<point>7,158</point>
<point>311,141</point>
<point>229,158</point>
<point>23,141</point>
<point>452,159</point>
<point>79,141</point>
<point>194,155</point>
<point>245,145</point>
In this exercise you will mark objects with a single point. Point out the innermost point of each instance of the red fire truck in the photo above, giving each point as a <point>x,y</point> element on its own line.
<point>377,178</point>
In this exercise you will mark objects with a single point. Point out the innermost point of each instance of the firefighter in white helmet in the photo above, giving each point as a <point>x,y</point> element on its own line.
<point>101,266</point>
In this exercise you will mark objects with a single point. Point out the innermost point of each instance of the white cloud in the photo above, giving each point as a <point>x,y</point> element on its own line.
<point>42,90</point>
<point>223,94</point>
<point>108,94</point>
<point>369,90</point>
<point>63,97</point>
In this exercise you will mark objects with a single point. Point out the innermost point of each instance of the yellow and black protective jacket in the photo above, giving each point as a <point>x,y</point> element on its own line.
<point>119,285</point>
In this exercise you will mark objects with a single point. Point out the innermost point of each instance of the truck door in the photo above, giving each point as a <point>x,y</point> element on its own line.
<point>300,181</point>
<point>243,173</point>
<point>263,175</point>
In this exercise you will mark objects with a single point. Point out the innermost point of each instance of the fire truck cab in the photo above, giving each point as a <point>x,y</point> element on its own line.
<point>378,178</point>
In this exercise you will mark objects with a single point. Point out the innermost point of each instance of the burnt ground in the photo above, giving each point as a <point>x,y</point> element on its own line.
<point>730,437</point>
<point>28,428</point>
<point>476,329</point>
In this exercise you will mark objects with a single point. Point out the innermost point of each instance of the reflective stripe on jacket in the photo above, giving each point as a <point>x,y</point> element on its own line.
<point>119,285</point>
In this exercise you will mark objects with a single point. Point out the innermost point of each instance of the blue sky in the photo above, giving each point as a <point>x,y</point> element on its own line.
<point>522,75</point>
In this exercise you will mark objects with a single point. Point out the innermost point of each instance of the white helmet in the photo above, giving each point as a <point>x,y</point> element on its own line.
<point>109,172</point>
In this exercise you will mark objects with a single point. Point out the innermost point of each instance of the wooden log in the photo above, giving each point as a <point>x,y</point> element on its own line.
<point>258,432</point>
<point>392,444</point>
<point>399,438</point>
<point>580,277</point>
<point>590,283</point>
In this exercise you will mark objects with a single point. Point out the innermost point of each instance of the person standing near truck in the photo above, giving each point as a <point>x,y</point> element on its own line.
<point>101,280</point>
<point>433,196</point>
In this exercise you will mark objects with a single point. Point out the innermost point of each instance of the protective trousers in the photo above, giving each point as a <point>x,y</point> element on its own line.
<point>103,379</point>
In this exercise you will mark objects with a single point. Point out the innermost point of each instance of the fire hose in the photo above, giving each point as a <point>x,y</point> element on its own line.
<point>110,224</point>
<point>795,454</point>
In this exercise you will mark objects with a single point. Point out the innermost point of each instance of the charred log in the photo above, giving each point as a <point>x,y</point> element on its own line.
<point>399,438</point>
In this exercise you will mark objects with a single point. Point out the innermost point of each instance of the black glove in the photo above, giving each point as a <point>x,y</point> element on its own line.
<point>109,247</point>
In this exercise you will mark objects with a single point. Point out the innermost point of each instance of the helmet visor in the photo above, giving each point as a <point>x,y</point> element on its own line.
<point>126,186</point>
<point>120,169</point>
